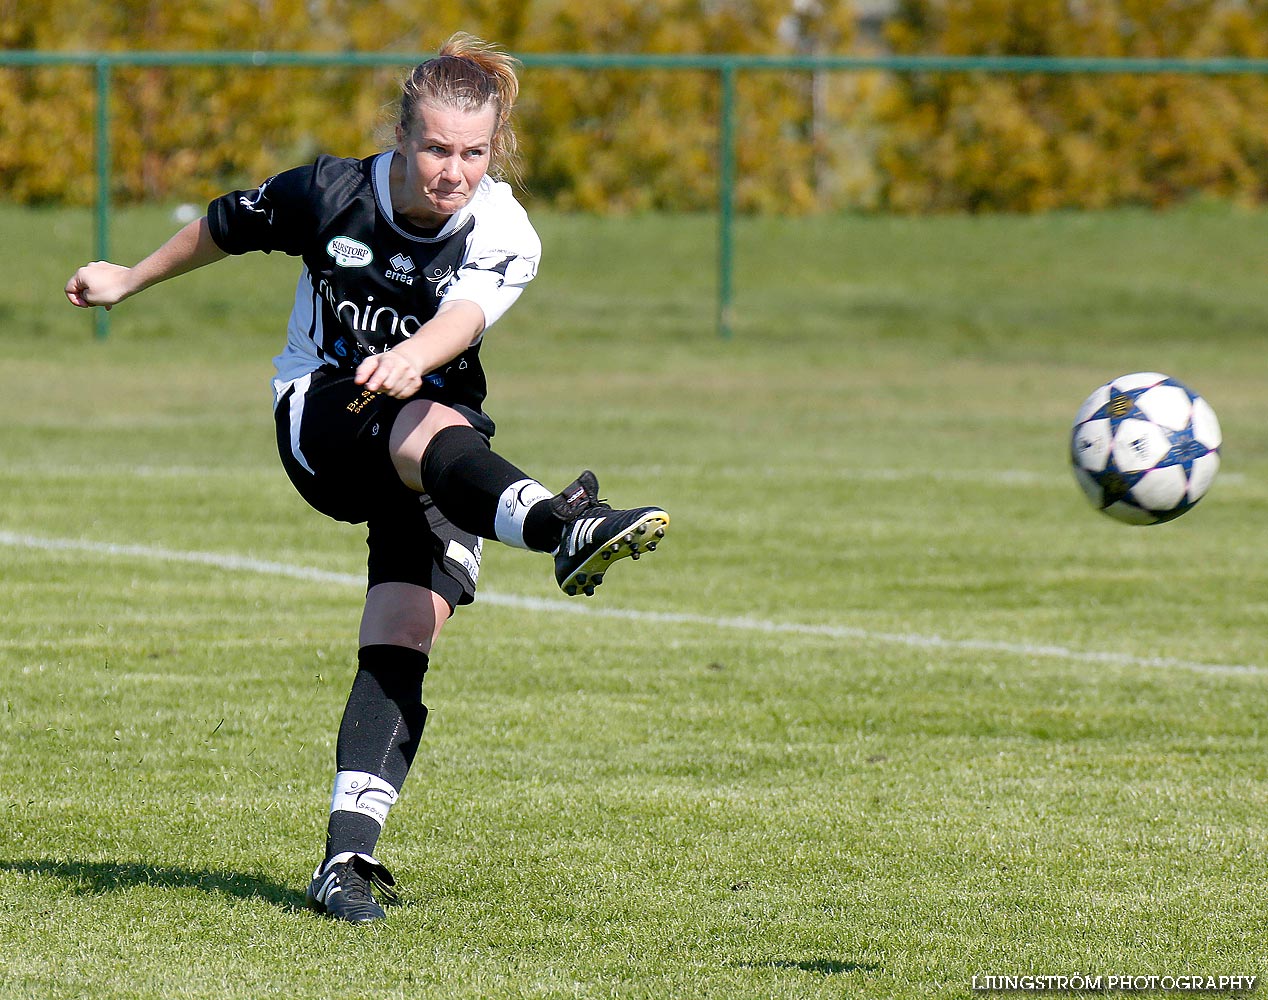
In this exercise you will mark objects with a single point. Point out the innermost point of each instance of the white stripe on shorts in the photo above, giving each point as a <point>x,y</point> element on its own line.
<point>296,404</point>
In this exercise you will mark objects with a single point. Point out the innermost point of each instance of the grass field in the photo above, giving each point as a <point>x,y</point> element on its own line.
<point>892,708</point>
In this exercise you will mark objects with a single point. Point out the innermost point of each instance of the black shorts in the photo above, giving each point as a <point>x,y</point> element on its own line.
<point>332,436</point>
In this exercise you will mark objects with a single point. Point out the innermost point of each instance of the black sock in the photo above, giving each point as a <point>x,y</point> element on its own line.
<point>467,480</point>
<point>542,528</point>
<point>379,735</point>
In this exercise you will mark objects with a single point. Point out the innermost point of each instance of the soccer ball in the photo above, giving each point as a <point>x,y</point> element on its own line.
<point>1145,448</point>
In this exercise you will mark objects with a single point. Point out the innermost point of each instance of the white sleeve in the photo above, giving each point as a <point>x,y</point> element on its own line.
<point>502,255</point>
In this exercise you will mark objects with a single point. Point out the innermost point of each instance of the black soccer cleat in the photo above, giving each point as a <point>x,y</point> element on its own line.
<point>340,888</point>
<point>595,536</point>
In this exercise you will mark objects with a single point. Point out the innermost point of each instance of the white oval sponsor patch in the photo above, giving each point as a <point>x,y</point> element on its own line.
<point>348,252</point>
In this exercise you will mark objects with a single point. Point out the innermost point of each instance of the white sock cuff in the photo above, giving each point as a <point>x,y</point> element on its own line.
<point>513,507</point>
<point>362,792</point>
<point>343,856</point>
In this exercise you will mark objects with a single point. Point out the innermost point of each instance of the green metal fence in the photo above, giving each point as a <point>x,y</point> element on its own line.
<point>727,68</point>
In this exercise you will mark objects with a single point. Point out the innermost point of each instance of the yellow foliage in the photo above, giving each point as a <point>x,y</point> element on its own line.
<point>1035,142</point>
<point>636,140</point>
<point>606,140</point>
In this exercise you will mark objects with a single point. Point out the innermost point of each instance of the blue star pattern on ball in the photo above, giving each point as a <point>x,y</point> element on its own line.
<point>1145,448</point>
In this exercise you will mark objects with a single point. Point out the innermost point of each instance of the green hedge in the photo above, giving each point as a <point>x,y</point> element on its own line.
<point>623,140</point>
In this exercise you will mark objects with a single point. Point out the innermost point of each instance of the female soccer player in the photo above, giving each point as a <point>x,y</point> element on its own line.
<point>409,256</point>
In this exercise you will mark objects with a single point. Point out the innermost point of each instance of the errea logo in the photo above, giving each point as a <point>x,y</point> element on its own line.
<point>400,269</point>
<point>348,252</point>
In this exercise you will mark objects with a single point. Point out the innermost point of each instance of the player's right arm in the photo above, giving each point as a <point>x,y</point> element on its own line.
<point>102,283</point>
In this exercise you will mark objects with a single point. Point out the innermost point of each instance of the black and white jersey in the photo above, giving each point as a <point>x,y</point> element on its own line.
<point>368,282</point>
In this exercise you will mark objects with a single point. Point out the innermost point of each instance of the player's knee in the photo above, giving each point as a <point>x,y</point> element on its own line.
<point>412,431</point>
<point>403,615</point>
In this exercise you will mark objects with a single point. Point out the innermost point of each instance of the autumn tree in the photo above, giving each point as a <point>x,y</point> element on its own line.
<point>1031,142</point>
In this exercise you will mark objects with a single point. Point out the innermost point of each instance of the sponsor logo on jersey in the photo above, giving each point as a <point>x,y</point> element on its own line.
<point>367,317</point>
<point>258,202</point>
<point>399,271</point>
<point>348,252</point>
<point>441,277</point>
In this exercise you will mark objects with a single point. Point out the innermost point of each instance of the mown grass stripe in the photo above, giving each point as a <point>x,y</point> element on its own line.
<point>250,564</point>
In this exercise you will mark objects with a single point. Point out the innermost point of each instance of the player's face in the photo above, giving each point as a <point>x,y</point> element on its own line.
<point>446,154</point>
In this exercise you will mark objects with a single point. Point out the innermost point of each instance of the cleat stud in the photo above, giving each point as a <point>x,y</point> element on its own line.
<point>570,590</point>
<point>607,556</point>
<point>589,592</point>
<point>642,529</point>
<point>660,532</point>
<point>597,579</point>
<point>635,554</point>
<point>615,547</point>
<point>651,546</point>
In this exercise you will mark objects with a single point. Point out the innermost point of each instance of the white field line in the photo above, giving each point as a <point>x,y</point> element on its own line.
<point>1020,478</point>
<point>248,564</point>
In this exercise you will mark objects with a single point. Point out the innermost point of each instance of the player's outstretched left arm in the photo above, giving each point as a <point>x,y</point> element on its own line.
<point>102,283</point>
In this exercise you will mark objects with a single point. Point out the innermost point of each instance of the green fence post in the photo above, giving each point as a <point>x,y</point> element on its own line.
<point>101,317</point>
<point>726,198</point>
<point>727,66</point>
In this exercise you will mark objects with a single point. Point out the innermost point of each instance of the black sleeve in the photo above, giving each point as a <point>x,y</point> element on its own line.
<point>278,215</point>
